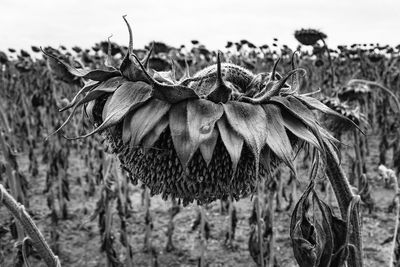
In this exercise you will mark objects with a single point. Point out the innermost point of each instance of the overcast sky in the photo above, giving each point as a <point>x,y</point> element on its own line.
<point>213,22</point>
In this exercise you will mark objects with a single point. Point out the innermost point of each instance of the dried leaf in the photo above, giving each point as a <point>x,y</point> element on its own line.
<point>96,75</point>
<point>202,116</point>
<point>233,142</point>
<point>321,243</point>
<point>298,110</point>
<point>108,86</point>
<point>207,147</point>
<point>303,234</point>
<point>86,88</point>
<point>127,97</point>
<point>277,139</point>
<point>149,140</point>
<point>299,129</point>
<point>316,104</point>
<point>140,122</point>
<point>89,110</point>
<point>179,127</point>
<point>249,122</point>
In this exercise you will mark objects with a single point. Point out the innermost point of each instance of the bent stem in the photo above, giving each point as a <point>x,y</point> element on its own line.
<point>344,196</point>
<point>330,61</point>
<point>380,86</point>
<point>38,241</point>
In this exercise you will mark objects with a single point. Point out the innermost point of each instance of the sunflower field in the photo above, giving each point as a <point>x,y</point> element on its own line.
<point>250,155</point>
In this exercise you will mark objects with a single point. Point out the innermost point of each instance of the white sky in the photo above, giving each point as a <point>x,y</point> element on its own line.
<point>213,22</point>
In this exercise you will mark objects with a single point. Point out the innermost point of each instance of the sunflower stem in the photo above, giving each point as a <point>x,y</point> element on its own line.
<point>330,61</point>
<point>359,162</point>
<point>202,236</point>
<point>259,224</point>
<point>20,214</point>
<point>271,207</point>
<point>344,196</point>
<point>395,243</point>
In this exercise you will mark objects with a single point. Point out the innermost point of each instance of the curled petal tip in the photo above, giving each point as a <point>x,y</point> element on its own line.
<point>147,58</point>
<point>130,47</point>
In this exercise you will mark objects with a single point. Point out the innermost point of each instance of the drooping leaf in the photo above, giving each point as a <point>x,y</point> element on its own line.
<point>202,115</point>
<point>127,97</point>
<point>149,140</point>
<point>249,122</point>
<point>96,75</point>
<point>179,127</point>
<point>326,232</point>
<point>297,109</point>
<point>299,129</point>
<point>330,141</point>
<point>140,122</point>
<point>233,142</point>
<point>105,108</point>
<point>89,110</point>
<point>207,146</point>
<point>339,233</point>
<point>316,104</point>
<point>107,87</point>
<point>303,234</point>
<point>59,70</point>
<point>86,88</point>
<point>271,89</point>
<point>277,139</point>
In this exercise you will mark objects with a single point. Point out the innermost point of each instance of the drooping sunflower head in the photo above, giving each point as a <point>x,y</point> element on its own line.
<point>205,137</point>
<point>309,36</point>
<point>353,114</point>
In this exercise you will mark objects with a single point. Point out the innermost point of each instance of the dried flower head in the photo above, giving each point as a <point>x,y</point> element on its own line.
<point>309,36</point>
<point>205,137</point>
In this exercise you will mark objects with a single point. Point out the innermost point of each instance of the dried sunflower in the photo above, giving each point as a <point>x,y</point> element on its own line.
<point>205,137</point>
<point>309,36</point>
<point>352,113</point>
